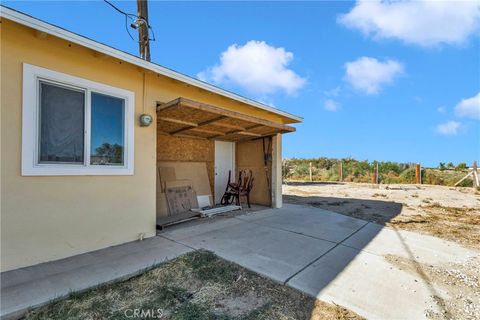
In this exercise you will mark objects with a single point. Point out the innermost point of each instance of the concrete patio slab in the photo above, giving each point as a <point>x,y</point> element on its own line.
<point>268,251</point>
<point>199,227</point>
<point>33,286</point>
<point>313,222</point>
<point>367,284</point>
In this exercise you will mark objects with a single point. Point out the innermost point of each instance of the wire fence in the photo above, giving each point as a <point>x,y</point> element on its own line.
<point>350,170</point>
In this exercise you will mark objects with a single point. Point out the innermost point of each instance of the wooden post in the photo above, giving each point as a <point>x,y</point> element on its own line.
<point>310,172</point>
<point>340,171</point>
<point>475,175</point>
<point>418,174</point>
<point>375,174</point>
<point>143,32</point>
<point>277,171</point>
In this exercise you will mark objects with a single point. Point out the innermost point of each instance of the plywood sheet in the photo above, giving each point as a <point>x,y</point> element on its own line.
<point>172,149</point>
<point>178,183</point>
<point>162,206</point>
<point>181,199</point>
<point>249,156</point>
<point>196,172</point>
<point>164,175</point>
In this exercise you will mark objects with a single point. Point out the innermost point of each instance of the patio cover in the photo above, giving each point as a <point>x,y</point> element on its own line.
<point>188,118</point>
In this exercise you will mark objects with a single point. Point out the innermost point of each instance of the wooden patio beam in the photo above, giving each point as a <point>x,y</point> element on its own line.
<point>201,124</point>
<point>229,126</point>
<point>246,133</point>
<point>254,126</point>
<point>169,105</point>
<point>191,124</point>
<point>182,135</point>
<point>217,133</point>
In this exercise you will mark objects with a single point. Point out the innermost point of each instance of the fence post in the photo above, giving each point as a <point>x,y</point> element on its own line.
<point>375,174</point>
<point>418,174</point>
<point>475,175</point>
<point>310,172</point>
<point>340,171</point>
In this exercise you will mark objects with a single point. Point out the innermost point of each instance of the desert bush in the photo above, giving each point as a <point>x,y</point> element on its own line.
<point>407,176</point>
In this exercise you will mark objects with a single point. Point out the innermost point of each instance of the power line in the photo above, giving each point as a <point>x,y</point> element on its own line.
<point>134,18</point>
<point>121,11</point>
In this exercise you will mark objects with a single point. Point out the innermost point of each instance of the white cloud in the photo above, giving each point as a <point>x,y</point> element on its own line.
<point>448,128</point>
<point>421,22</point>
<point>469,108</point>
<point>257,67</point>
<point>332,92</point>
<point>369,75</point>
<point>441,109</point>
<point>331,105</point>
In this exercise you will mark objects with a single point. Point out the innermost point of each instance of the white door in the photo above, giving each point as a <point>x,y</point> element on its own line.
<point>224,162</point>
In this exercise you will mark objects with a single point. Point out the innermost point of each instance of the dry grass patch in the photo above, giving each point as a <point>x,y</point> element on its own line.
<point>451,223</point>
<point>198,285</point>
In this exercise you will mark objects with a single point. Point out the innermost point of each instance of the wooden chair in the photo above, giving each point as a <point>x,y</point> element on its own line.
<point>235,190</point>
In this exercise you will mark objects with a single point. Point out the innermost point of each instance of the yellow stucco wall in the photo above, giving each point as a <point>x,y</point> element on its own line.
<point>47,218</point>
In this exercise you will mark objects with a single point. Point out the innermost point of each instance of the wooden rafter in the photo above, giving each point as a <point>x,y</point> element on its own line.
<point>216,133</point>
<point>201,124</point>
<point>246,133</point>
<point>229,126</point>
<point>187,123</point>
<point>254,127</point>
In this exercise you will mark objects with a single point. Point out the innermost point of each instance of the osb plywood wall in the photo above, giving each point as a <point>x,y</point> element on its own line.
<point>249,155</point>
<point>183,149</point>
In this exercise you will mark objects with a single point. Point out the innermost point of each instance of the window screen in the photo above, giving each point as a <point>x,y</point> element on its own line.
<point>62,124</point>
<point>107,130</point>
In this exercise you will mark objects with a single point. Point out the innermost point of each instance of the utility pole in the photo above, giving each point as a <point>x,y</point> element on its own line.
<point>143,32</point>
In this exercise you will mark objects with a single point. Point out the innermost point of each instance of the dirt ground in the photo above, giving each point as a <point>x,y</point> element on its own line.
<point>461,280</point>
<point>196,286</point>
<point>445,212</point>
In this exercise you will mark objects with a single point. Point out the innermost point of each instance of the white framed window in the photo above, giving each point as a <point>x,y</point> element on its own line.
<point>74,126</point>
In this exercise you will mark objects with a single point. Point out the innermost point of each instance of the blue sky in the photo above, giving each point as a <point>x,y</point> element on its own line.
<point>369,84</point>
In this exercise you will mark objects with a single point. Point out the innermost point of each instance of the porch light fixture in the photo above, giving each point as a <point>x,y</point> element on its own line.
<point>145,120</point>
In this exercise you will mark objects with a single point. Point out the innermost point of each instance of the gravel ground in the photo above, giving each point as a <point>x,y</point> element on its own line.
<point>460,280</point>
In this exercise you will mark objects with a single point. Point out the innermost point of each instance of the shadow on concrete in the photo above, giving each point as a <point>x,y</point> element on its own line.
<point>377,211</point>
<point>311,183</point>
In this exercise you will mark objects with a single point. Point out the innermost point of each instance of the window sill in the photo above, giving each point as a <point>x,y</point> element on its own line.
<point>77,171</point>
